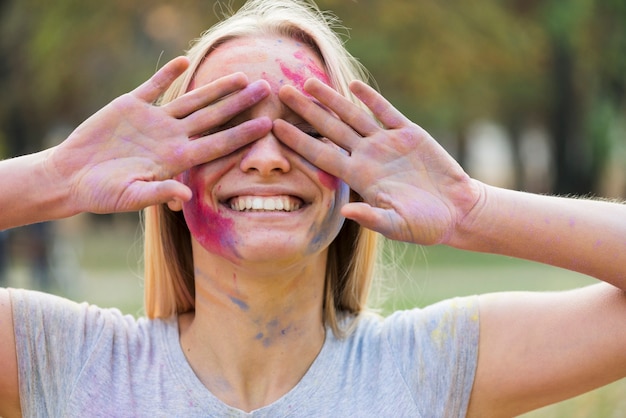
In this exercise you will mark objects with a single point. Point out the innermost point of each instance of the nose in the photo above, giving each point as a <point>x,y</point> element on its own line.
<point>266,156</point>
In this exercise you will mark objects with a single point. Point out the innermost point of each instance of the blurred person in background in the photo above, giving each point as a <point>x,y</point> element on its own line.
<point>267,171</point>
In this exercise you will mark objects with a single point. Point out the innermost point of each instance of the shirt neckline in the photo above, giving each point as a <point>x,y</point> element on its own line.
<point>306,389</point>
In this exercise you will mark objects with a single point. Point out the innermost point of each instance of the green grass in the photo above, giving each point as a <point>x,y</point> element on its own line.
<point>414,277</point>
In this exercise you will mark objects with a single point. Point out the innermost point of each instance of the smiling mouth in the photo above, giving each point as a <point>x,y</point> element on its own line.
<point>265,203</point>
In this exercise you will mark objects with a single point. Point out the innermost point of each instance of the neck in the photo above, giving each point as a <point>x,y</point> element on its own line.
<point>254,335</point>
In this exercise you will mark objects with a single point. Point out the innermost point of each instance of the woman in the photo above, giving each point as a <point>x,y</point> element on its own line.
<point>259,252</point>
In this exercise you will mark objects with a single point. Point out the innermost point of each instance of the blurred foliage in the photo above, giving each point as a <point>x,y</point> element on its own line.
<point>444,64</point>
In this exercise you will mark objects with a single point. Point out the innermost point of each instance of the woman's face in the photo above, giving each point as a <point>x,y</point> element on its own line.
<point>264,202</point>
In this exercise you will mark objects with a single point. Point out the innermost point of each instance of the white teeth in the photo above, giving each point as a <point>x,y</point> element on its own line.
<point>260,203</point>
<point>269,204</point>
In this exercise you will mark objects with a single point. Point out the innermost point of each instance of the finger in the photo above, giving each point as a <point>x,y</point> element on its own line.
<point>353,115</point>
<point>150,90</point>
<point>322,155</point>
<point>142,194</point>
<point>203,96</point>
<point>211,147</point>
<point>382,109</point>
<point>369,217</point>
<point>212,117</point>
<point>321,119</point>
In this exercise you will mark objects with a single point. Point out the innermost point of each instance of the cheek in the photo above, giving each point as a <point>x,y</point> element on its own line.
<point>213,231</point>
<point>329,181</point>
<point>326,231</point>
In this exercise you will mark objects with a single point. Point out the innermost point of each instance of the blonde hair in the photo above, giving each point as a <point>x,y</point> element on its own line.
<point>169,272</point>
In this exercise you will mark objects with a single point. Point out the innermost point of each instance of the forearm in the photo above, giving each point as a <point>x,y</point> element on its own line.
<point>29,193</point>
<point>588,236</point>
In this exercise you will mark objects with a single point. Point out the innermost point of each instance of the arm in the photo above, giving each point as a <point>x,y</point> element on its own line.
<point>587,236</point>
<point>540,348</point>
<point>534,349</point>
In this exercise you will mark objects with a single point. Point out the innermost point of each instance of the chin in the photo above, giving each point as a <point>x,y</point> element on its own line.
<point>278,251</point>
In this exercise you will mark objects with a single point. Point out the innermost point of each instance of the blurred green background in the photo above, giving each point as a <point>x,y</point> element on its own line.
<point>526,94</point>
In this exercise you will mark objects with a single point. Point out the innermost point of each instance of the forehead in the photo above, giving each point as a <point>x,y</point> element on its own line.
<point>278,60</point>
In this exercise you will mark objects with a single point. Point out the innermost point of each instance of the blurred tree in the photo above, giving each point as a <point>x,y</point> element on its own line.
<point>444,64</point>
<point>519,62</point>
<point>447,64</point>
<point>63,60</point>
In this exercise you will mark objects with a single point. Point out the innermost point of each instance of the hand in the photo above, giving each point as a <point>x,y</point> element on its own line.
<point>125,156</point>
<point>412,189</point>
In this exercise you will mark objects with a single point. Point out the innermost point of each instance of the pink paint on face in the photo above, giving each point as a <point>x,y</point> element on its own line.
<point>297,76</point>
<point>312,67</point>
<point>213,231</point>
<point>302,73</point>
<point>329,181</point>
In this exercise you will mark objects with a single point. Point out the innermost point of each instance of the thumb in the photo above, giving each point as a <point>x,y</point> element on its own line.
<point>147,193</point>
<point>367,216</point>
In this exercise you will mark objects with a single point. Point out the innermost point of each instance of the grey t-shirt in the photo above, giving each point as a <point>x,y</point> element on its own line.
<point>78,360</point>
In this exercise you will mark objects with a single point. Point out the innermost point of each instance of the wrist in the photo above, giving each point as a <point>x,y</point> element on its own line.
<point>473,229</point>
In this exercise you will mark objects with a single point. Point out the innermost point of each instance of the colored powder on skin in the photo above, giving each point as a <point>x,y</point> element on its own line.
<point>328,229</point>
<point>208,227</point>
<point>298,76</point>
<point>329,181</point>
<point>302,73</point>
<point>312,67</point>
<point>240,303</point>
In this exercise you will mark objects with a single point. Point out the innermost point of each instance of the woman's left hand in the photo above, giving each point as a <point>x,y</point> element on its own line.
<point>412,189</point>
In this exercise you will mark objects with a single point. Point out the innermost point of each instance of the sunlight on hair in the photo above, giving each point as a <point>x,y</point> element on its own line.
<point>399,266</point>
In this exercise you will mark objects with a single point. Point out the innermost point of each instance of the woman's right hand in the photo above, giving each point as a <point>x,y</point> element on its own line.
<point>124,157</point>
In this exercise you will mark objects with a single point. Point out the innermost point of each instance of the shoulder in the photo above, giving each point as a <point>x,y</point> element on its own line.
<point>65,349</point>
<point>80,325</point>
<point>422,358</point>
<point>456,318</point>
<point>439,333</point>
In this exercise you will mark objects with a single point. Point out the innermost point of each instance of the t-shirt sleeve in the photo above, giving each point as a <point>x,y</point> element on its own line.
<point>54,338</point>
<point>436,350</point>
